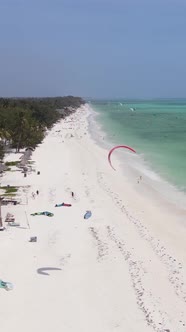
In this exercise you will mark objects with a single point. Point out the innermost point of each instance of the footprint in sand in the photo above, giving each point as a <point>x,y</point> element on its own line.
<point>64,260</point>
<point>52,195</point>
<point>101,246</point>
<point>173,267</point>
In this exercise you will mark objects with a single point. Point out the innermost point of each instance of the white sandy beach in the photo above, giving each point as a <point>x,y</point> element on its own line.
<point>124,269</point>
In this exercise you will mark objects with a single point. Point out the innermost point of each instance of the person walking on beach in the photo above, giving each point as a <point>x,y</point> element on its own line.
<point>37,192</point>
<point>140,179</point>
<point>72,193</point>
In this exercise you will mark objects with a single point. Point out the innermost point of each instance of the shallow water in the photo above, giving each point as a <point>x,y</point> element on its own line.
<point>155,129</point>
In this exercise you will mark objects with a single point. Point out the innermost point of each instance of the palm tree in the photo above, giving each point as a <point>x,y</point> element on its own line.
<point>1,222</point>
<point>5,135</point>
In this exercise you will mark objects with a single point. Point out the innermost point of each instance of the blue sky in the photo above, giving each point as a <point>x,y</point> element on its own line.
<point>93,48</point>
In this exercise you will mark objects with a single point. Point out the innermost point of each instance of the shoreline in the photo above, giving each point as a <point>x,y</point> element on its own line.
<point>121,269</point>
<point>136,166</point>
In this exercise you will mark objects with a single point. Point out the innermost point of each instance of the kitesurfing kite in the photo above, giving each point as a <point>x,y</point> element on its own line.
<point>88,214</point>
<point>117,147</point>
<point>6,285</point>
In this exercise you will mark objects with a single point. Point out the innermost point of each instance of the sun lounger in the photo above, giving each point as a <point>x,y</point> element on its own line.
<point>9,217</point>
<point>15,224</point>
<point>9,201</point>
<point>33,239</point>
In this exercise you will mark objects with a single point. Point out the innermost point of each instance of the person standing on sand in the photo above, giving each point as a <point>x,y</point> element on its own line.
<point>37,192</point>
<point>72,193</point>
<point>140,179</point>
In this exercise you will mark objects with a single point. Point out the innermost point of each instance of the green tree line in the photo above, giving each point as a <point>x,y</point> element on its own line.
<point>23,121</point>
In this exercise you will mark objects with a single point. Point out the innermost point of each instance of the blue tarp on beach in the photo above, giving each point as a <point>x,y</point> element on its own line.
<point>87,215</point>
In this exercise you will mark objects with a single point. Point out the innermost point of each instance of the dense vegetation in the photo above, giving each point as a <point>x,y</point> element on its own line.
<point>23,121</point>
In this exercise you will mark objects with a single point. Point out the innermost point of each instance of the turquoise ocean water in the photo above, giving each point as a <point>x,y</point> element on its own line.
<point>155,129</point>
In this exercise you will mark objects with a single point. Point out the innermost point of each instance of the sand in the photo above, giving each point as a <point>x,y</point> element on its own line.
<point>121,270</point>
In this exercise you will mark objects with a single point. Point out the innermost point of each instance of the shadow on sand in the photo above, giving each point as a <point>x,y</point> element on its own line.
<point>43,269</point>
